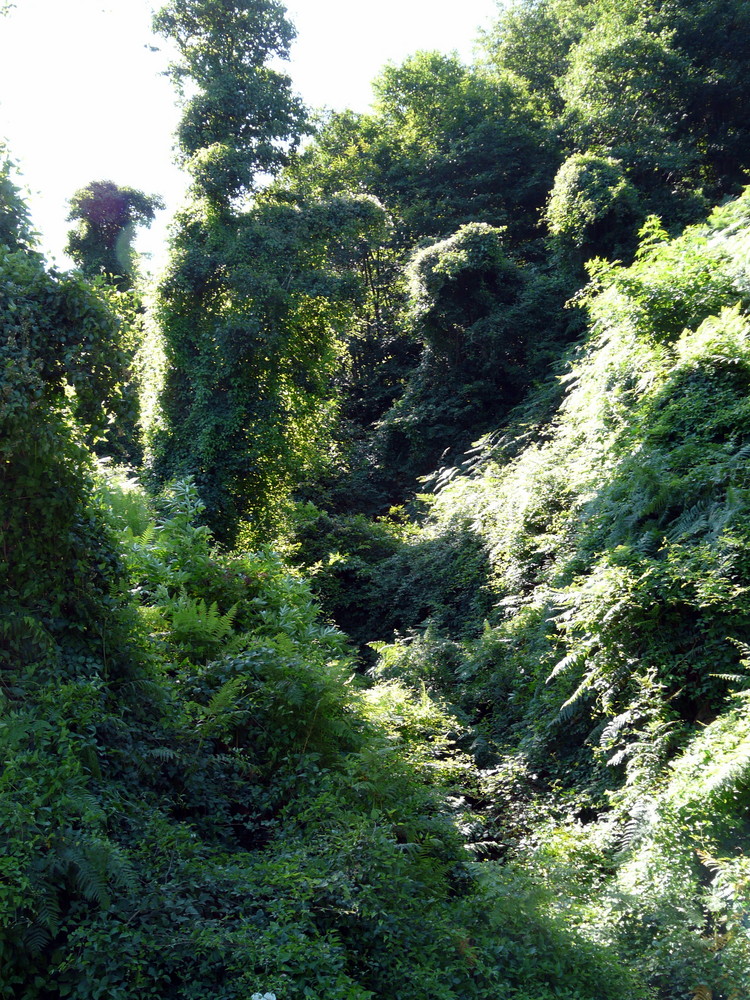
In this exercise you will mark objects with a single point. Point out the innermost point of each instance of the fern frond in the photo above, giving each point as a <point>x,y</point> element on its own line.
<point>163,754</point>
<point>48,911</point>
<point>569,707</point>
<point>617,758</point>
<point>89,864</point>
<point>198,627</point>
<point>712,863</point>
<point>631,832</point>
<point>744,650</point>
<point>92,878</point>
<point>690,521</point>
<point>36,938</point>
<point>574,659</point>
<point>226,697</point>
<point>641,820</point>
<point>742,679</point>
<point>702,993</point>
<point>741,455</point>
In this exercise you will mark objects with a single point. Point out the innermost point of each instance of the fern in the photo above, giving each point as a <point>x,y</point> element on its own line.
<point>35,939</point>
<point>690,521</point>
<point>642,819</point>
<point>704,517</point>
<point>742,680</point>
<point>226,697</point>
<point>163,754</point>
<point>197,628</point>
<point>94,865</point>
<point>48,910</point>
<point>576,658</point>
<point>572,704</point>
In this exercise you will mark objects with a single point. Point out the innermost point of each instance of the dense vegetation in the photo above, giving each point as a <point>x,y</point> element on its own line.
<point>374,613</point>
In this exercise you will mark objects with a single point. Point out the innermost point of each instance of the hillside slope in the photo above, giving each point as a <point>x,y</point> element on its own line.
<point>608,676</point>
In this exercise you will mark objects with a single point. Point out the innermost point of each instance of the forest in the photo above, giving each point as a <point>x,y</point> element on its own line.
<point>375,580</point>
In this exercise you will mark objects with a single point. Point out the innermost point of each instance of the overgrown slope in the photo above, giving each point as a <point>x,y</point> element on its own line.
<point>617,543</point>
<point>196,799</point>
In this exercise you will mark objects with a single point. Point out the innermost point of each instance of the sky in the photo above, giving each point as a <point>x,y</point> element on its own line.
<point>83,96</point>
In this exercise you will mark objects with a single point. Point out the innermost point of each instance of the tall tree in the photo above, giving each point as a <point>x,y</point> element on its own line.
<point>253,300</point>
<point>240,116</point>
<point>15,223</point>
<point>106,217</point>
<point>659,85</point>
<point>446,145</point>
<point>60,364</point>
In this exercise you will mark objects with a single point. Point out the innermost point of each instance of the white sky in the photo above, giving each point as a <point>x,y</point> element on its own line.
<point>82,98</point>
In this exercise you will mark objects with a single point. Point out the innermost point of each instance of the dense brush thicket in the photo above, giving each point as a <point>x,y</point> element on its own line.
<point>608,679</point>
<point>196,797</point>
<point>511,754</point>
<point>198,800</point>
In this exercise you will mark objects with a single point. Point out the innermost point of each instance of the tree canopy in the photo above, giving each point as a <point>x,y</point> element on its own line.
<point>107,217</point>
<point>240,118</point>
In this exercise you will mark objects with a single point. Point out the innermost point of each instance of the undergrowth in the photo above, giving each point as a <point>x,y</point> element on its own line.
<point>601,679</point>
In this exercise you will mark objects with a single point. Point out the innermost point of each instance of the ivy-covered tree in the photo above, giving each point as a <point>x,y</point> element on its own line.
<point>251,329</point>
<point>60,363</point>
<point>593,210</point>
<point>474,309</point>
<point>253,300</point>
<point>101,244</point>
<point>15,224</point>
<point>107,217</point>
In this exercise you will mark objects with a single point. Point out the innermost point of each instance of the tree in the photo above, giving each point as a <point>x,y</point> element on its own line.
<point>107,217</point>
<point>15,224</point>
<point>251,326</point>
<point>241,118</point>
<point>531,39</point>
<point>60,363</point>
<point>660,86</point>
<point>593,210</point>
<point>253,301</point>
<point>624,95</point>
<point>446,145</point>
<point>476,310</point>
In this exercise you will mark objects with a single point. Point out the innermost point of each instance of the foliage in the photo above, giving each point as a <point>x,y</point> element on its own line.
<point>250,321</point>
<point>252,302</point>
<point>617,554</point>
<point>592,206</point>
<point>478,312</point>
<point>107,217</point>
<point>586,116</point>
<point>239,115</point>
<point>542,784</point>
<point>377,578</point>
<point>622,92</point>
<point>15,224</point>
<point>65,643</point>
<point>657,85</point>
<point>60,364</point>
<point>276,830</point>
<point>445,145</point>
